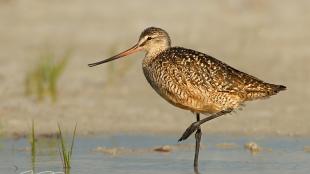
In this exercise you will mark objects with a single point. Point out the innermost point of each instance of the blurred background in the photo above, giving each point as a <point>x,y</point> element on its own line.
<point>45,46</point>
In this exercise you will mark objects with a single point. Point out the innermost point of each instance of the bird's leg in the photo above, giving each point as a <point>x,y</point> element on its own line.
<point>194,126</point>
<point>198,138</point>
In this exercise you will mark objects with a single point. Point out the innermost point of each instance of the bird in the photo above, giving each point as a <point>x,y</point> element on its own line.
<point>194,81</point>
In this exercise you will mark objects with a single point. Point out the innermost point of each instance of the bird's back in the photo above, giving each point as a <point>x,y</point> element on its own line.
<point>201,83</point>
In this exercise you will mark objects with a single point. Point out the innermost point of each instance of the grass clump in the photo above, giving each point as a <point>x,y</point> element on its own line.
<point>43,78</point>
<point>65,152</point>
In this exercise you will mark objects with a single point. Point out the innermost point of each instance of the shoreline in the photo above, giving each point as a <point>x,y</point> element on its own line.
<point>206,133</point>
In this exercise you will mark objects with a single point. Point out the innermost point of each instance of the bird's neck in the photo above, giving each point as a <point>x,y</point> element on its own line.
<point>152,54</point>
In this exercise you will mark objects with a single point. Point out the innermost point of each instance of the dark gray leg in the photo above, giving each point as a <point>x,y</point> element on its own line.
<point>198,138</point>
<point>196,125</point>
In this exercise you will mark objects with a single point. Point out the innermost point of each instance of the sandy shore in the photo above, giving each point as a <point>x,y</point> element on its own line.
<point>268,39</point>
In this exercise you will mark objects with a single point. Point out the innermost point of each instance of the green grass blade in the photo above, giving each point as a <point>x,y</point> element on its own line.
<point>63,147</point>
<point>73,139</point>
<point>61,156</point>
<point>64,152</point>
<point>33,147</point>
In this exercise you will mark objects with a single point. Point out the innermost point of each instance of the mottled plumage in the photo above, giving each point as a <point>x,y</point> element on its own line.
<point>201,83</point>
<point>194,81</point>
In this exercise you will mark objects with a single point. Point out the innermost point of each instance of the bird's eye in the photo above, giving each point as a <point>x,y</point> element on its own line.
<point>149,38</point>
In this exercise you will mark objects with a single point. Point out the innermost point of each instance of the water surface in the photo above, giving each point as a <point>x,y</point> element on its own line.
<point>278,155</point>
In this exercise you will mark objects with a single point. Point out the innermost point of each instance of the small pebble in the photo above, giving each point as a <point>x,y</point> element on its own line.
<point>252,147</point>
<point>110,151</point>
<point>165,148</point>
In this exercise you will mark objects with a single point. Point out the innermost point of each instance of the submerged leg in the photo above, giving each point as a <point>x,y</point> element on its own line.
<point>198,138</point>
<point>194,126</point>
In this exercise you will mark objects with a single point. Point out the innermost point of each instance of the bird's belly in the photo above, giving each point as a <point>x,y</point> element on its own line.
<point>179,96</point>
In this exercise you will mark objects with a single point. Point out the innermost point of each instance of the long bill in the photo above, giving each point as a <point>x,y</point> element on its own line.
<point>131,50</point>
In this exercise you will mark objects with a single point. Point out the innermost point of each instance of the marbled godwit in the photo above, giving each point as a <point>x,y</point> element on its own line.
<point>194,81</point>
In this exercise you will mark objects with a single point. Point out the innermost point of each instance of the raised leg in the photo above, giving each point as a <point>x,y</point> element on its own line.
<point>198,138</point>
<point>194,126</point>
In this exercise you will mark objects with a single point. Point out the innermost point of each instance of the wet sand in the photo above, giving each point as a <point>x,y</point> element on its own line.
<point>268,39</point>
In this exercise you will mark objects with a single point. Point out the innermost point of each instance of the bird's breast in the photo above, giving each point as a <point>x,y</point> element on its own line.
<point>160,76</point>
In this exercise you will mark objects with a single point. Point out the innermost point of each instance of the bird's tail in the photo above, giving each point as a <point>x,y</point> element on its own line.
<point>273,89</point>
<point>266,90</point>
<point>277,88</point>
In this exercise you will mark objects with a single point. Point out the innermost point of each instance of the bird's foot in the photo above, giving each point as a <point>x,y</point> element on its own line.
<point>192,128</point>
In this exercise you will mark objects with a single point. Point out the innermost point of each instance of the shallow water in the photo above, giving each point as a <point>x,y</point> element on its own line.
<point>278,155</point>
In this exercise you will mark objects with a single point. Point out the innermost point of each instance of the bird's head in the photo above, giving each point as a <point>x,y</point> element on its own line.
<point>152,40</point>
